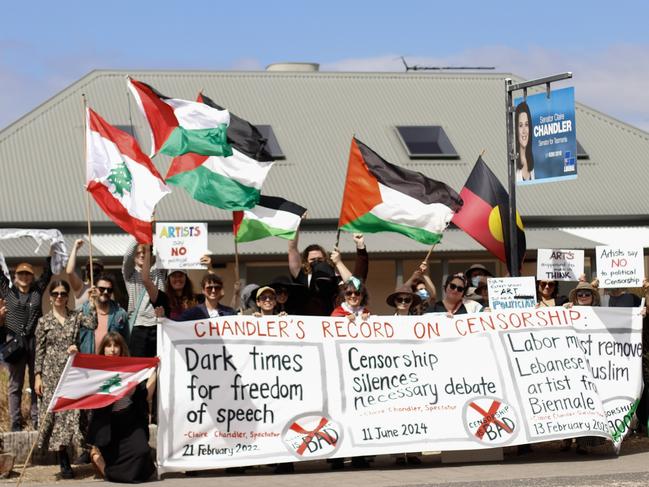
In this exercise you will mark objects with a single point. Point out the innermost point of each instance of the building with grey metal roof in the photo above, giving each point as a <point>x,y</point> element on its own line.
<point>314,116</point>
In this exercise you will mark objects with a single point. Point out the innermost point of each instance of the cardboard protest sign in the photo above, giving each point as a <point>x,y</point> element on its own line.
<point>511,292</point>
<point>180,245</point>
<point>241,390</point>
<point>619,266</point>
<point>559,264</point>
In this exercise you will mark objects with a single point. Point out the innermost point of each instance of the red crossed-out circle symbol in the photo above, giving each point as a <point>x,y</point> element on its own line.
<point>311,434</point>
<point>489,417</point>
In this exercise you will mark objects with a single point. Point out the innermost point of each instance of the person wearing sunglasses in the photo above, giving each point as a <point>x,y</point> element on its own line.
<point>56,332</point>
<point>549,294</point>
<point>266,300</point>
<point>352,300</point>
<point>81,286</point>
<point>454,303</point>
<point>404,301</point>
<point>212,286</point>
<point>102,315</point>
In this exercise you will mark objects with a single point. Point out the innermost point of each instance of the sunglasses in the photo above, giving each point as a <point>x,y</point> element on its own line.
<point>266,298</point>
<point>104,290</point>
<point>213,288</point>
<point>57,294</point>
<point>454,287</point>
<point>352,293</point>
<point>282,291</point>
<point>543,284</point>
<point>584,294</point>
<point>403,300</point>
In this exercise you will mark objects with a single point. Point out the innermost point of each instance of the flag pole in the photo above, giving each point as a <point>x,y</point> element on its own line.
<point>337,238</point>
<point>31,452</point>
<point>85,151</point>
<point>236,259</point>
<point>430,251</point>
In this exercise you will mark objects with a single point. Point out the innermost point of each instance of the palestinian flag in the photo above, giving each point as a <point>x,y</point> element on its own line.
<point>121,178</point>
<point>272,217</point>
<point>485,214</point>
<point>181,126</point>
<point>94,381</point>
<point>382,197</point>
<point>231,183</point>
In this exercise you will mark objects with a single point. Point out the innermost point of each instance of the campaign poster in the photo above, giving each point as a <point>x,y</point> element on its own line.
<point>545,137</point>
<point>180,245</point>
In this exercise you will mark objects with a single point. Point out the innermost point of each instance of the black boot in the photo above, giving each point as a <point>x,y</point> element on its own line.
<point>64,463</point>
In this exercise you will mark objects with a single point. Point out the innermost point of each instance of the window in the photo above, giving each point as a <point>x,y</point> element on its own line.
<point>271,141</point>
<point>581,152</point>
<point>426,142</point>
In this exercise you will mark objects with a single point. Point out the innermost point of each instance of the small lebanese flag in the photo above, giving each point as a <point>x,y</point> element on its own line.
<point>121,178</point>
<point>95,381</point>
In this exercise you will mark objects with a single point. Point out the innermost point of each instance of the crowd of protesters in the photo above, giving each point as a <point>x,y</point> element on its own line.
<point>317,283</point>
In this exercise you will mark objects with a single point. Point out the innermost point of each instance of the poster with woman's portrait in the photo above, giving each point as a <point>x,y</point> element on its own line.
<point>545,137</point>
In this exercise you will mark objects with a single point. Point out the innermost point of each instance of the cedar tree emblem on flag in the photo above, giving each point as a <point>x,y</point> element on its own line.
<point>120,178</point>
<point>112,383</point>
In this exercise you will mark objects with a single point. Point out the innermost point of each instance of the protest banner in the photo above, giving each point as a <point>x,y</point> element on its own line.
<point>559,264</point>
<point>619,266</point>
<point>511,292</point>
<point>546,136</point>
<point>180,245</point>
<point>241,390</point>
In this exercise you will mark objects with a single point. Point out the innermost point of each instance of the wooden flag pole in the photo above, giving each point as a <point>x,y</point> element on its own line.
<point>31,452</point>
<point>236,259</point>
<point>85,151</point>
<point>337,239</point>
<point>430,251</point>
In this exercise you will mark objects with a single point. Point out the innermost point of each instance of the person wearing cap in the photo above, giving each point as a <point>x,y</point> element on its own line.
<point>473,275</point>
<point>454,303</point>
<point>178,295</point>
<point>212,286</point>
<point>266,299</point>
<point>81,287</point>
<point>404,301</point>
<point>23,304</point>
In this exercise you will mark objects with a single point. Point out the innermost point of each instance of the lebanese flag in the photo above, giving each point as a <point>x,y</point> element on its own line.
<point>180,126</point>
<point>230,183</point>
<point>121,178</point>
<point>95,381</point>
<point>383,197</point>
<point>272,217</point>
<point>485,214</point>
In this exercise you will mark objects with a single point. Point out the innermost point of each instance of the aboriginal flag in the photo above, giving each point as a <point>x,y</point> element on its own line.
<point>485,214</point>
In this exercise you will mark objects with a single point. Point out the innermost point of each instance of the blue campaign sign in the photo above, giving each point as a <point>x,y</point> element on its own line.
<point>546,141</point>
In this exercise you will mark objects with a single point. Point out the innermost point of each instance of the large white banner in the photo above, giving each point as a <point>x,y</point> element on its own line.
<point>240,390</point>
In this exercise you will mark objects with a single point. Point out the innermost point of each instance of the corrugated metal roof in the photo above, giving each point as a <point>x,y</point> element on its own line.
<point>314,116</point>
<point>221,243</point>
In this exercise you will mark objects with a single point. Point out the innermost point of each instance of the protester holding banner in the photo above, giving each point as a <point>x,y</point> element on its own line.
<point>549,294</point>
<point>212,286</point>
<point>56,332</point>
<point>120,431</point>
<point>524,157</point>
<point>81,286</point>
<point>179,295</point>
<point>142,319</point>
<point>23,309</point>
<point>352,300</point>
<point>453,303</point>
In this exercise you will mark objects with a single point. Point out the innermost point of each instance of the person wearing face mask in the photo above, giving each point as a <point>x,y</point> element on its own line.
<point>454,302</point>
<point>421,284</point>
<point>473,275</point>
<point>22,303</point>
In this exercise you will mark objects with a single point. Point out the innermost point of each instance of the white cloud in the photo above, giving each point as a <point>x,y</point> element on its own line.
<point>612,80</point>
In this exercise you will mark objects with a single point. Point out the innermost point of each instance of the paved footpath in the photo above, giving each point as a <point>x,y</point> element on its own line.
<point>545,466</point>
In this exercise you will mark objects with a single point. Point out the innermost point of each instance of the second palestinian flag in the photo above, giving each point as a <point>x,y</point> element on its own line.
<point>382,197</point>
<point>272,217</point>
<point>180,126</point>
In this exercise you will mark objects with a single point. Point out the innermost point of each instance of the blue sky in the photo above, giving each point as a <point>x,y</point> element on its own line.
<point>45,45</point>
